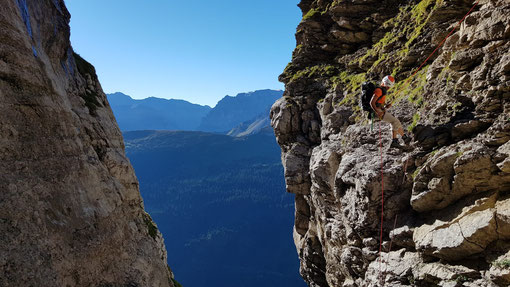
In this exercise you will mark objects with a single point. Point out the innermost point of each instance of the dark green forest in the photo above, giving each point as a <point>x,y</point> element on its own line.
<point>221,205</point>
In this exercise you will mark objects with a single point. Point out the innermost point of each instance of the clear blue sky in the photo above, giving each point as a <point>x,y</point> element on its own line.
<point>197,50</point>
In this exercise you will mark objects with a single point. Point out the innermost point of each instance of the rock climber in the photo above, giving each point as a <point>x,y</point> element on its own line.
<point>378,104</point>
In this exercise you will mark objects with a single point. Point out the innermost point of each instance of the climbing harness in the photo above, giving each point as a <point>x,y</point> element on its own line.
<point>380,140</point>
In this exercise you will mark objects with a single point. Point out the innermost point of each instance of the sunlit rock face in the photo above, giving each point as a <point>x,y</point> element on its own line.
<point>70,210</point>
<point>446,196</point>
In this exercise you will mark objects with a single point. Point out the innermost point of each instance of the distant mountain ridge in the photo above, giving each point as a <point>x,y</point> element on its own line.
<point>156,113</point>
<point>244,114</point>
<point>259,124</point>
<point>232,111</point>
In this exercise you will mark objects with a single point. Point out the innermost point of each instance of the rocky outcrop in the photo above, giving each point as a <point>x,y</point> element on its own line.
<point>446,197</point>
<point>70,210</point>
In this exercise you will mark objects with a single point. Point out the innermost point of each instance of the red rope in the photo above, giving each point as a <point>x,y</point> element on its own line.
<point>382,199</point>
<point>380,137</point>
<point>388,254</point>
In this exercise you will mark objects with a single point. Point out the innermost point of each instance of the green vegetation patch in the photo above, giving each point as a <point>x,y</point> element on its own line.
<point>432,153</point>
<point>318,71</point>
<point>316,11</point>
<point>84,67</point>
<point>352,86</point>
<point>413,88</point>
<point>462,279</point>
<point>378,49</point>
<point>336,2</point>
<point>90,97</point>
<point>505,263</point>
<point>415,173</point>
<point>416,119</point>
<point>408,25</point>
<point>91,101</point>
<point>151,228</point>
<point>310,14</point>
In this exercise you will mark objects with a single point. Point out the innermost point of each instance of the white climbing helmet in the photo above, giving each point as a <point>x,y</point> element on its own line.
<point>388,82</point>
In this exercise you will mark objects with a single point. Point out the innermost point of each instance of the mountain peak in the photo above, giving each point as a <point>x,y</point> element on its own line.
<point>155,113</point>
<point>231,111</point>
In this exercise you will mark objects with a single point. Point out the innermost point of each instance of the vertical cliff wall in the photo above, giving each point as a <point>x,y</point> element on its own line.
<point>70,210</point>
<point>446,198</point>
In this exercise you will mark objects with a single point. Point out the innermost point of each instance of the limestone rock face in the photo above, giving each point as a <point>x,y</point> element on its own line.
<point>446,197</point>
<point>70,210</point>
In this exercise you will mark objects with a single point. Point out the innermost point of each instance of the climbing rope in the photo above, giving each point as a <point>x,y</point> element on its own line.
<point>389,249</point>
<point>382,202</point>
<point>406,83</point>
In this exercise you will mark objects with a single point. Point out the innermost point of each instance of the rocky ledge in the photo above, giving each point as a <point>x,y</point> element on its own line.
<point>447,197</point>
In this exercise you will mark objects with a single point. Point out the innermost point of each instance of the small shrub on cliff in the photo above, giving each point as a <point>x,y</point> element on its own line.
<point>462,279</point>
<point>91,101</point>
<point>503,263</point>
<point>90,97</point>
<point>151,228</point>
<point>84,67</point>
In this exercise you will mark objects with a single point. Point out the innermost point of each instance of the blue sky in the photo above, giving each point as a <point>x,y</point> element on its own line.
<point>197,50</point>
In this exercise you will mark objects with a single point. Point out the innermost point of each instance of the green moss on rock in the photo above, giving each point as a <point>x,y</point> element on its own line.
<point>318,71</point>
<point>351,86</point>
<point>310,14</point>
<point>416,119</point>
<point>407,27</point>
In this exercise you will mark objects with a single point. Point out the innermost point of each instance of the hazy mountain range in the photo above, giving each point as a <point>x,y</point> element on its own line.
<point>232,111</point>
<point>155,113</point>
<point>161,114</point>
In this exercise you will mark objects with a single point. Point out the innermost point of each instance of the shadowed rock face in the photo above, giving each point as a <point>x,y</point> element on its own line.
<point>446,198</point>
<point>70,210</point>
